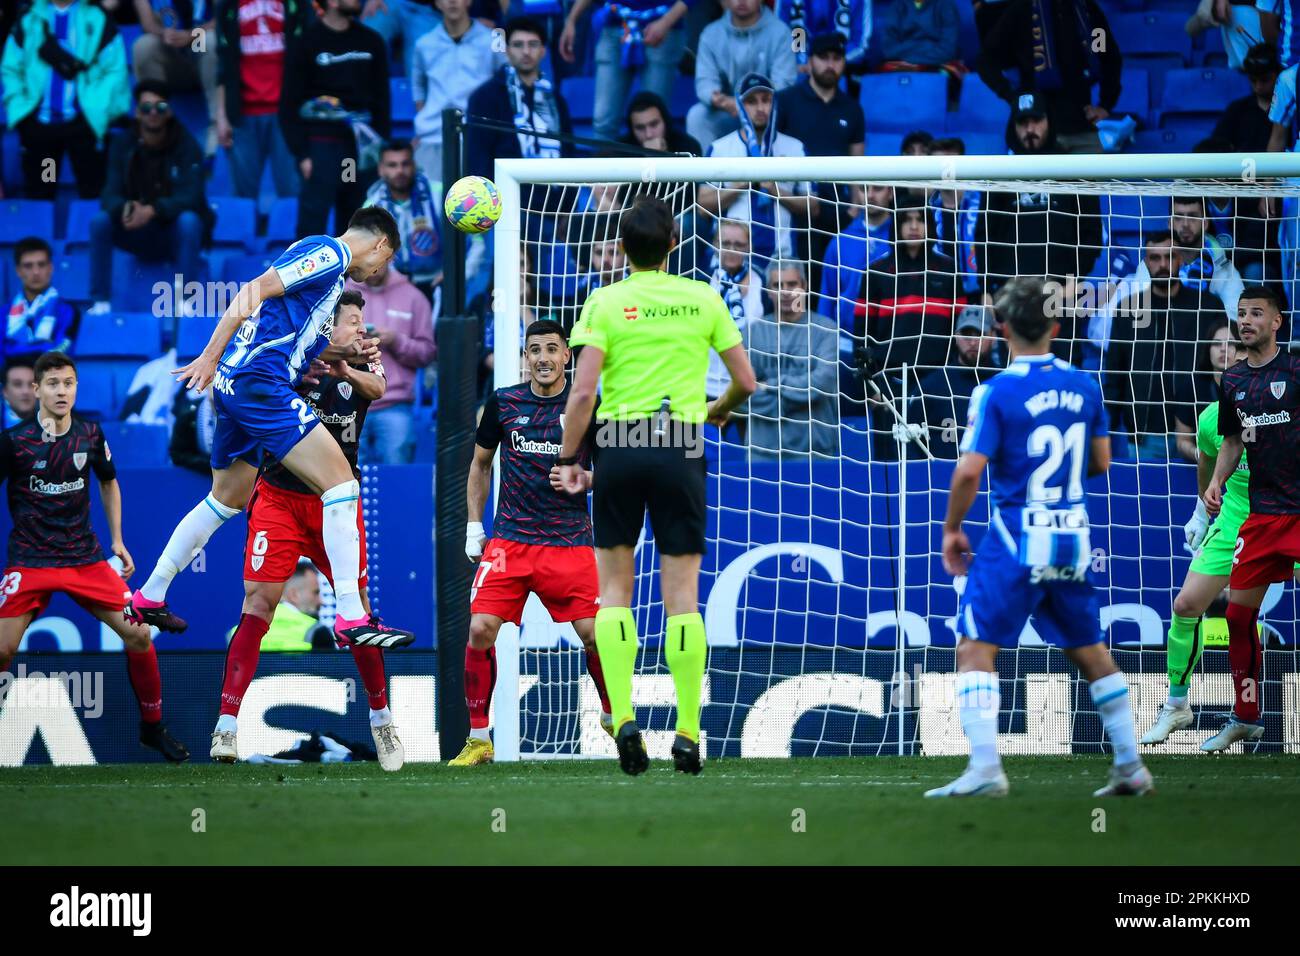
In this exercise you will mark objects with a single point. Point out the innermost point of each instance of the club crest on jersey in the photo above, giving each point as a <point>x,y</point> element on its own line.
<point>257,561</point>
<point>79,459</point>
<point>345,389</point>
<point>1277,388</point>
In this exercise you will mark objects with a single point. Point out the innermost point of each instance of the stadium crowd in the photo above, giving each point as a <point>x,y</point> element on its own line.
<point>198,138</point>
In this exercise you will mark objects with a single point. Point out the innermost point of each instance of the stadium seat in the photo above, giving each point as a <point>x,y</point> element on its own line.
<point>683,99</point>
<point>25,217</point>
<point>1135,94</point>
<point>1212,51</point>
<point>580,93</point>
<point>1163,141</point>
<point>219,183</point>
<point>282,224</point>
<point>1154,33</point>
<point>402,105</point>
<point>72,276</point>
<point>192,335</point>
<point>97,387</point>
<point>243,268</point>
<point>136,282</point>
<point>236,221</point>
<point>1203,90</point>
<point>120,335</point>
<point>77,231</point>
<point>1193,127</point>
<point>981,108</point>
<point>137,445</point>
<point>1128,212</point>
<point>905,101</point>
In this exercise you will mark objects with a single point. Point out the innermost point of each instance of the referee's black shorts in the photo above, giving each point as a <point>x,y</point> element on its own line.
<point>666,481</point>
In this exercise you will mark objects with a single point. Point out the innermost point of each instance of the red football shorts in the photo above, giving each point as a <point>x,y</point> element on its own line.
<point>1268,547</point>
<point>25,590</point>
<point>283,526</point>
<point>563,577</point>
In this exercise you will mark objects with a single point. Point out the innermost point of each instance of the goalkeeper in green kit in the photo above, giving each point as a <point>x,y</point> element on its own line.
<point>1214,546</point>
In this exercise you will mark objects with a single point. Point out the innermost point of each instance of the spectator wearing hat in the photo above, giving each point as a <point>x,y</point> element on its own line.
<point>1062,76</point>
<point>635,39</point>
<point>815,111</point>
<point>1244,122</point>
<point>922,35</point>
<point>773,210</point>
<point>749,39</point>
<point>1037,233</point>
<point>943,395</point>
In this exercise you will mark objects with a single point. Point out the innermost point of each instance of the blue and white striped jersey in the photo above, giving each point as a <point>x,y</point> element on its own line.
<point>280,340</point>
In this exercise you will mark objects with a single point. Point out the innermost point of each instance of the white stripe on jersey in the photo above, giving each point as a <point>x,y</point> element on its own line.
<point>320,322</point>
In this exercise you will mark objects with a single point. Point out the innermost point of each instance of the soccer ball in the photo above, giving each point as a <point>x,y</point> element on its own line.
<point>473,204</point>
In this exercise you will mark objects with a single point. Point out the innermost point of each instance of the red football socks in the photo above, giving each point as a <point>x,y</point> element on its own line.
<point>1245,660</point>
<point>146,681</point>
<point>480,679</point>
<point>241,661</point>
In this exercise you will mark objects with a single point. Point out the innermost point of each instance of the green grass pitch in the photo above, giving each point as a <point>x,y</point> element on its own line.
<point>1207,811</point>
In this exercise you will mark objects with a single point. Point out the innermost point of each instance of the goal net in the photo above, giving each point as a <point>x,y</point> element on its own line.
<point>862,287</point>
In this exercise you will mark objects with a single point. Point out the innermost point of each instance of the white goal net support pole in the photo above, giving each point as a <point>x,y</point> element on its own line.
<point>828,613</point>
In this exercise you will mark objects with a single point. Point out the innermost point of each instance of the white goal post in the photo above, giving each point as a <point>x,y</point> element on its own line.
<point>833,575</point>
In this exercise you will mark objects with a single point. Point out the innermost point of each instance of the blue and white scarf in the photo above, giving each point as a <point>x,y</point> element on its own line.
<point>535,112</point>
<point>762,207</point>
<point>36,325</point>
<point>966,216</point>
<point>850,18</point>
<point>417,223</point>
<point>1047,57</point>
<point>632,48</point>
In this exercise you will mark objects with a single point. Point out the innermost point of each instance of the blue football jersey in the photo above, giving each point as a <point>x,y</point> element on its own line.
<point>283,336</point>
<point>1035,421</point>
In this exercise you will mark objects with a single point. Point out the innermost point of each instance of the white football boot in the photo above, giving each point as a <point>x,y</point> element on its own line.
<point>1232,731</point>
<point>387,745</point>
<point>224,749</point>
<point>1131,780</point>
<point>986,782</point>
<point>1171,717</point>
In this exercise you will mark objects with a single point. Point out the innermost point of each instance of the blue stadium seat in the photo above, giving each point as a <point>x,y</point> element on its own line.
<point>1193,126</point>
<point>580,93</point>
<point>282,224</point>
<point>402,104</point>
<point>72,276</point>
<point>219,183</point>
<point>1213,53</point>
<point>136,282</point>
<point>983,144</point>
<point>905,101</point>
<point>1203,90</point>
<point>137,445</point>
<point>683,99</point>
<point>236,221</point>
<point>981,108</point>
<point>1129,211</point>
<point>80,213</point>
<point>884,144</point>
<point>244,268</point>
<point>120,335</point>
<point>193,334</point>
<point>1154,33</point>
<point>25,217</point>
<point>1165,141</point>
<point>1135,94</point>
<point>97,387</point>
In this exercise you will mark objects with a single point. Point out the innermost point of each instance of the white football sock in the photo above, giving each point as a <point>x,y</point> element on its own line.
<point>227,724</point>
<point>1110,696</point>
<point>479,733</point>
<point>343,546</point>
<point>978,701</point>
<point>186,541</point>
<point>380,717</point>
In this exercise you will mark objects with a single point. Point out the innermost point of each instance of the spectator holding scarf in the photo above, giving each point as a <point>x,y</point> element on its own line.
<point>1061,66</point>
<point>849,18</point>
<point>636,38</point>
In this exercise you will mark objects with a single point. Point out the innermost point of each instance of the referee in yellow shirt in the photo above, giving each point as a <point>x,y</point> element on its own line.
<point>646,341</point>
